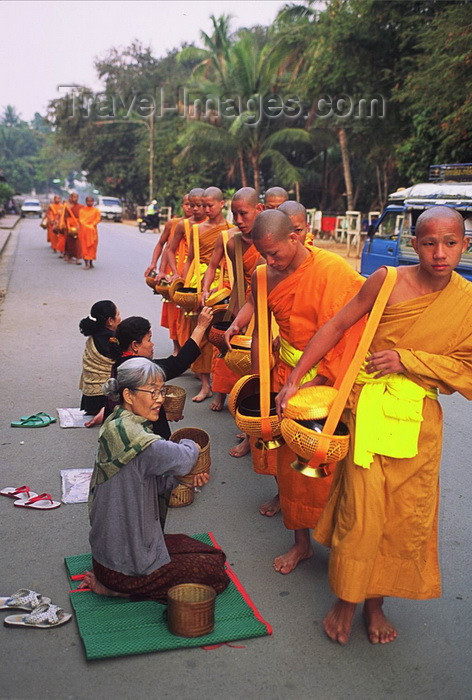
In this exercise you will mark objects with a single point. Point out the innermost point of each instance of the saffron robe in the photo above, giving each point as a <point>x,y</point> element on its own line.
<point>71,218</point>
<point>251,257</point>
<point>381,523</point>
<point>89,217</point>
<point>52,216</point>
<point>170,312</point>
<point>207,240</point>
<point>301,304</point>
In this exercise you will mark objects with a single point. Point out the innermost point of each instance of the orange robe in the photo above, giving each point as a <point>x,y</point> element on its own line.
<point>183,323</point>
<point>52,216</point>
<point>170,312</point>
<point>71,218</point>
<point>207,239</point>
<point>381,523</point>
<point>301,304</point>
<point>89,217</point>
<point>251,257</point>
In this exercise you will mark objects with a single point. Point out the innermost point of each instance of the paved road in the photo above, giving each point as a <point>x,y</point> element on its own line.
<point>40,357</point>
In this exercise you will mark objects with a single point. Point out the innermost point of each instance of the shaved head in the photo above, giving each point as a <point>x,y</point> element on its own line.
<point>276,193</point>
<point>440,213</point>
<point>196,192</point>
<point>214,192</point>
<point>247,194</point>
<point>292,208</point>
<point>271,222</point>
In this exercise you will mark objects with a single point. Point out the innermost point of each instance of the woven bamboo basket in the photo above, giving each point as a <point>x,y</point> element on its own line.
<point>188,298</point>
<point>244,404</point>
<point>216,335</point>
<point>238,358</point>
<point>202,439</point>
<point>191,609</point>
<point>163,288</point>
<point>182,495</point>
<point>219,300</point>
<point>311,403</point>
<point>303,437</point>
<point>174,402</point>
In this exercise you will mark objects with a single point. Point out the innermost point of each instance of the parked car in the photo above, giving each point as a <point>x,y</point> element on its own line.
<point>110,208</point>
<point>31,207</point>
<point>389,238</point>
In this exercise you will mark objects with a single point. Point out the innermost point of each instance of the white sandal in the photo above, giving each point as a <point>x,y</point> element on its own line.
<point>44,616</point>
<point>23,599</point>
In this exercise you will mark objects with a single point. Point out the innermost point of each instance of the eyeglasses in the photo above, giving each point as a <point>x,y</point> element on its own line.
<point>155,393</point>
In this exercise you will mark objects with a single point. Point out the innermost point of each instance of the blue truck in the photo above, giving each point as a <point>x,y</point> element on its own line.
<point>388,240</point>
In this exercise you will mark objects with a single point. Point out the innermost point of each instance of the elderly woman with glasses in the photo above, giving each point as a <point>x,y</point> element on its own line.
<point>131,555</point>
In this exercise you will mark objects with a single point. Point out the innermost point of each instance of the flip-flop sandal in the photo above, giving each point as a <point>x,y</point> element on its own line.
<point>34,421</point>
<point>43,617</point>
<point>23,599</point>
<point>22,493</point>
<point>42,414</point>
<point>42,502</point>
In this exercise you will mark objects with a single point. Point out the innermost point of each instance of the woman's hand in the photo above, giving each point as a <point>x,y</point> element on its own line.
<point>384,362</point>
<point>201,479</point>
<point>205,317</point>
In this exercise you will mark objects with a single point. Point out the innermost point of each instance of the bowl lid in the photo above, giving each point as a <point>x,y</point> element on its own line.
<point>310,403</point>
<point>218,296</point>
<point>241,341</point>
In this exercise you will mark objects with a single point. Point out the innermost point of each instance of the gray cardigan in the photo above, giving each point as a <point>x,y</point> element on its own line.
<point>126,534</point>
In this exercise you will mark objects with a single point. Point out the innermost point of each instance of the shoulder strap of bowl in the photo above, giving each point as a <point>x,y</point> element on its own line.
<point>356,363</point>
<point>263,314</point>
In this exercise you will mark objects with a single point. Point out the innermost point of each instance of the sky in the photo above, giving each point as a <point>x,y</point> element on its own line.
<point>44,44</point>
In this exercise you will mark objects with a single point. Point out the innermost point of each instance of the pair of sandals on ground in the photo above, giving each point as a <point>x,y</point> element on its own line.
<point>25,498</point>
<point>35,420</point>
<point>41,612</point>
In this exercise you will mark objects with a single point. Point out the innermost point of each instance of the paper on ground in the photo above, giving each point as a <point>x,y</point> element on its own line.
<point>75,485</point>
<point>72,417</point>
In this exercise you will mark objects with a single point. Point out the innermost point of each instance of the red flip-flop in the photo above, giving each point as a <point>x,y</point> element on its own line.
<point>42,502</point>
<point>22,493</point>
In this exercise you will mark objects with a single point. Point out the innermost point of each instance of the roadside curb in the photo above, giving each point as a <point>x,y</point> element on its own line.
<point>5,233</point>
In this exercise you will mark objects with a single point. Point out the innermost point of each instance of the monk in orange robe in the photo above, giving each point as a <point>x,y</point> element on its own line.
<point>208,233</point>
<point>52,216</point>
<point>89,218</point>
<point>305,289</point>
<point>274,197</point>
<point>72,250</point>
<point>297,215</point>
<point>170,311</point>
<point>381,519</point>
<point>177,251</point>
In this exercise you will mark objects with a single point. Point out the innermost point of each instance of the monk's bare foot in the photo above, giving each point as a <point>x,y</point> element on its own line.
<point>202,395</point>
<point>241,436</point>
<point>270,508</point>
<point>379,629</point>
<point>301,550</point>
<point>242,449</point>
<point>218,403</point>
<point>91,582</point>
<point>338,622</point>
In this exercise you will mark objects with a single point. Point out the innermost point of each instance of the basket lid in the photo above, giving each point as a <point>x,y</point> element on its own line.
<point>310,403</point>
<point>218,296</point>
<point>241,341</point>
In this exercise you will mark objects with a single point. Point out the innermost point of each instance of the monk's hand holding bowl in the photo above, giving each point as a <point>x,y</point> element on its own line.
<point>149,269</point>
<point>286,393</point>
<point>161,276</point>
<point>384,362</point>
<point>234,329</point>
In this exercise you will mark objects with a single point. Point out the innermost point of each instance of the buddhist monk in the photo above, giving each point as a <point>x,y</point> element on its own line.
<point>382,515</point>
<point>208,232</point>
<point>176,254</point>
<point>52,215</point>
<point>72,250</point>
<point>245,206</point>
<point>170,311</point>
<point>89,218</point>
<point>274,197</point>
<point>305,289</point>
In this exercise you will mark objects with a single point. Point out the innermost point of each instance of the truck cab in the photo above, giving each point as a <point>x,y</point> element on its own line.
<point>388,240</point>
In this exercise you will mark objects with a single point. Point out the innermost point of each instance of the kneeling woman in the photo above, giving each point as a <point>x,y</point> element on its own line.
<point>131,555</point>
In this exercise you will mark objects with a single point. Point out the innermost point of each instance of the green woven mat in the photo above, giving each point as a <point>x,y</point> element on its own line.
<point>116,627</point>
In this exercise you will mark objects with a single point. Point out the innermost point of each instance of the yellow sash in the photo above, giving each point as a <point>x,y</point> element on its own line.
<point>291,355</point>
<point>389,417</point>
